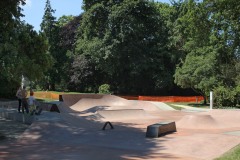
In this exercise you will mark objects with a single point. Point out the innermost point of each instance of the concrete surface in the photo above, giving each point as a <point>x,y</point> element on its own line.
<point>76,132</point>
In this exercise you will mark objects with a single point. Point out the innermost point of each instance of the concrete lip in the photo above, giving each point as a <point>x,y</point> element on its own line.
<point>76,132</point>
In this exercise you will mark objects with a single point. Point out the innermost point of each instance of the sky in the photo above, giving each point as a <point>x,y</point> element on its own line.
<point>34,10</point>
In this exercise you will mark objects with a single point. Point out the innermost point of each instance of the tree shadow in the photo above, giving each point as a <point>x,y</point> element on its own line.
<point>70,136</point>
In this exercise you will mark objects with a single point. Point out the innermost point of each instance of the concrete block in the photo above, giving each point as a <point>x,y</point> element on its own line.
<point>15,116</point>
<point>160,129</point>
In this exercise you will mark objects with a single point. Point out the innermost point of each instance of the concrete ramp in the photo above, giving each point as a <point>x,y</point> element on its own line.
<point>122,114</point>
<point>84,102</point>
<point>71,99</point>
<point>88,103</point>
<point>198,122</point>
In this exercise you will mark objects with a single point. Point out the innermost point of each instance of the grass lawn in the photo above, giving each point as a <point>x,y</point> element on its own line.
<point>233,154</point>
<point>197,105</point>
<point>190,104</point>
<point>44,99</point>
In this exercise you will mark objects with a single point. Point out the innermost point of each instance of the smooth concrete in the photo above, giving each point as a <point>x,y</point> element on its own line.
<point>76,132</point>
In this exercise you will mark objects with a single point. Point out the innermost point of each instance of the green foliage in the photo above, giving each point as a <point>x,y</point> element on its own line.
<point>25,53</point>
<point>10,13</point>
<point>224,96</point>
<point>33,60</point>
<point>104,89</point>
<point>48,19</point>
<point>64,20</point>
<point>198,71</point>
<point>22,50</point>
<point>50,29</point>
<point>211,46</point>
<point>126,40</point>
<point>82,73</point>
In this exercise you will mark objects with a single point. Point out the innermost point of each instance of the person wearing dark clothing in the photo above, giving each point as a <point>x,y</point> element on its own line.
<point>19,96</point>
<point>24,100</point>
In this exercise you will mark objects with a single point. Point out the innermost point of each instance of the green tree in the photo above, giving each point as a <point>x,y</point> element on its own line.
<point>50,30</point>
<point>211,46</point>
<point>22,50</point>
<point>64,20</point>
<point>33,60</point>
<point>10,13</point>
<point>126,40</point>
<point>48,20</point>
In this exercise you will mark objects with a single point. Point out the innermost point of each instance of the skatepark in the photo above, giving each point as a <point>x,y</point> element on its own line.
<point>77,131</point>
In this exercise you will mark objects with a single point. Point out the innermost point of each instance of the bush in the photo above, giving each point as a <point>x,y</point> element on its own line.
<point>225,96</point>
<point>238,94</point>
<point>104,89</point>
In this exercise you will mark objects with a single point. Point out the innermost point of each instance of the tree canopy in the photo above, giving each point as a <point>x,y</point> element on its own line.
<point>126,41</point>
<point>136,47</point>
<point>22,50</point>
<point>212,46</point>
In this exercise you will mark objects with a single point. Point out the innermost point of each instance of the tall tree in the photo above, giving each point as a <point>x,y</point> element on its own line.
<point>22,50</point>
<point>67,38</point>
<point>10,13</point>
<point>126,40</point>
<point>49,29</point>
<point>48,20</point>
<point>211,46</point>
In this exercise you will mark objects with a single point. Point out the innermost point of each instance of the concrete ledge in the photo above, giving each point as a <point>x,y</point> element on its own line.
<point>49,106</point>
<point>9,104</point>
<point>160,129</point>
<point>12,114</point>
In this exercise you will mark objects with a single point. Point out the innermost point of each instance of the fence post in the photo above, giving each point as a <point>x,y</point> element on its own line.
<point>211,100</point>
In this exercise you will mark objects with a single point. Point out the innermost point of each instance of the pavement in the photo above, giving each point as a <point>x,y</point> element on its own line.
<point>76,132</point>
<point>11,130</point>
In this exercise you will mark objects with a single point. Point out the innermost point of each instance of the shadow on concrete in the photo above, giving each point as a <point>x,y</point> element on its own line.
<point>75,137</point>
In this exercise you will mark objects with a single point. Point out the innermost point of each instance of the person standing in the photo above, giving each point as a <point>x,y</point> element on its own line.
<point>19,96</point>
<point>32,102</point>
<point>24,100</point>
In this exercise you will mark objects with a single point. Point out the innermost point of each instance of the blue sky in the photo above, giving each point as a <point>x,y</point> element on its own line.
<point>34,10</point>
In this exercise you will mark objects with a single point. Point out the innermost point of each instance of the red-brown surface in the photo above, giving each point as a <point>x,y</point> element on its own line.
<point>76,132</point>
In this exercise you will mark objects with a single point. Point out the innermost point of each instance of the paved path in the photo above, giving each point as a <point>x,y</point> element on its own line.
<point>11,130</point>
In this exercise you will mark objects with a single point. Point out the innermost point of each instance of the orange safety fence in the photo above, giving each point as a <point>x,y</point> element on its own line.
<point>48,95</point>
<point>55,96</point>
<point>166,98</point>
<point>129,97</point>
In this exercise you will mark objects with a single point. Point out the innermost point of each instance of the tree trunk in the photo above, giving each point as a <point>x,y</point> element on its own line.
<point>205,99</point>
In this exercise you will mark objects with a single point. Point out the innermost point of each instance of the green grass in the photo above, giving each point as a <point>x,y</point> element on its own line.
<point>233,154</point>
<point>44,99</point>
<point>57,92</point>
<point>190,104</point>
<point>171,104</point>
